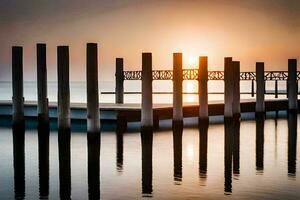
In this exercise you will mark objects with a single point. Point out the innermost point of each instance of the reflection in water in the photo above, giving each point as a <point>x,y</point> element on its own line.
<point>147,142</point>
<point>177,152</point>
<point>203,128</point>
<point>19,161</point>
<point>119,138</point>
<point>43,144</point>
<point>292,143</point>
<point>93,165</point>
<point>64,151</point>
<point>260,121</point>
<point>236,147</point>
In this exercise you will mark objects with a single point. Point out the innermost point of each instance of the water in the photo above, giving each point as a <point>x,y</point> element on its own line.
<point>250,160</point>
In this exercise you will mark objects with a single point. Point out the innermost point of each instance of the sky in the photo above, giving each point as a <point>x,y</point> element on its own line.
<point>247,30</point>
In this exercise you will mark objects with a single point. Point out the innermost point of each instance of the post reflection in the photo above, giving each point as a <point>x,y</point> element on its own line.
<point>203,139</point>
<point>177,153</point>
<point>260,123</point>
<point>147,142</point>
<point>93,166</point>
<point>43,144</point>
<point>64,154</point>
<point>236,147</point>
<point>292,143</point>
<point>119,153</point>
<point>228,140</point>
<point>19,161</point>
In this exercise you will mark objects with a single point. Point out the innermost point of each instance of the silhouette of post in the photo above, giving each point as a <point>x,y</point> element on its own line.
<point>119,81</point>
<point>177,90</point>
<point>17,84</point>
<point>228,150</point>
<point>177,152</point>
<point>147,148</point>
<point>202,86</point>
<point>43,113</point>
<point>252,88</point>
<point>292,143</point>
<point>203,129</point>
<point>236,107</point>
<point>93,119</point>
<point>260,142</point>
<point>228,84</point>
<point>276,89</point>
<point>292,84</point>
<point>260,87</point>
<point>147,107</point>
<point>63,87</point>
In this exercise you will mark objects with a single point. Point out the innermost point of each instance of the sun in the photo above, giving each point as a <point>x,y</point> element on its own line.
<point>192,61</point>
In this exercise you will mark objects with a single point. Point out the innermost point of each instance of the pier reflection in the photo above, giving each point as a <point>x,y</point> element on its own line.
<point>177,154</point>
<point>260,124</point>
<point>119,153</point>
<point>64,154</point>
<point>19,161</point>
<point>231,152</point>
<point>203,139</point>
<point>43,144</point>
<point>93,166</point>
<point>147,142</point>
<point>292,143</point>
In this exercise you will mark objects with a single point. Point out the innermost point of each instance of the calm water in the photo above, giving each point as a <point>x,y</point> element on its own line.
<point>247,160</point>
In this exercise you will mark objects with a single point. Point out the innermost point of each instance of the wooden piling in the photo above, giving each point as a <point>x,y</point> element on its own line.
<point>202,87</point>
<point>43,111</point>
<point>260,87</point>
<point>236,107</point>
<point>63,88</point>
<point>252,88</point>
<point>119,92</point>
<point>292,84</point>
<point>93,118</point>
<point>147,105</point>
<point>177,89</point>
<point>276,89</point>
<point>228,84</point>
<point>17,84</point>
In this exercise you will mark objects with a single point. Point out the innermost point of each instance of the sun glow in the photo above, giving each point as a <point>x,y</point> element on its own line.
<point>192,61</point>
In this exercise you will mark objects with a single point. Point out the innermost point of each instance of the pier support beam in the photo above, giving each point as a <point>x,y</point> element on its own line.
<point>93,119</point>
<point>17,84</point>
<point>260,88</point>
<point>228,85</point>
<point>147,107</point>
<point>177,90</point>
<point>63,88</point>
<point>292,84</point>
<point>119,92</point>
<point>202,87</point>
<point>43,111</point>
<point>276,89</point>
<point>236,107</point>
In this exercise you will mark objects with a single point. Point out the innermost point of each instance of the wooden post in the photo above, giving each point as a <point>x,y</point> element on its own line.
<point>147,107</point>
<point>260,87</point>
<point>202,87</point>
<point>228,84</point>
<point>292,84</point>
<point>119,92</point>
<point>93,118</point>
<point>43,113</point>
<point>17,84</point>
<point>177,89</point>
<point>276,89</point>
<point>63,88</point>
<point>252,88</point>
<point>236,108</point>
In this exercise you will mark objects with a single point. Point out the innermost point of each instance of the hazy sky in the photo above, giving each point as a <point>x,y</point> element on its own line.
<point>249,31</point>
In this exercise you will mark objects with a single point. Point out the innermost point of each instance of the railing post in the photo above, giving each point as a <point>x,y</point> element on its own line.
<point>252,88</point>
<point>260,87</point>
<point>236,108</point>
<point>147,107</point>
<point>63,88</point>
<point>292,83</point>
<point>119,81</point>
<point>177,89</point>
<point>93,120</point>
<point>228,74</point>
<point>202,87</point>
<point>276,89</point>
<point>43,113</point>
<point>17,84</point>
